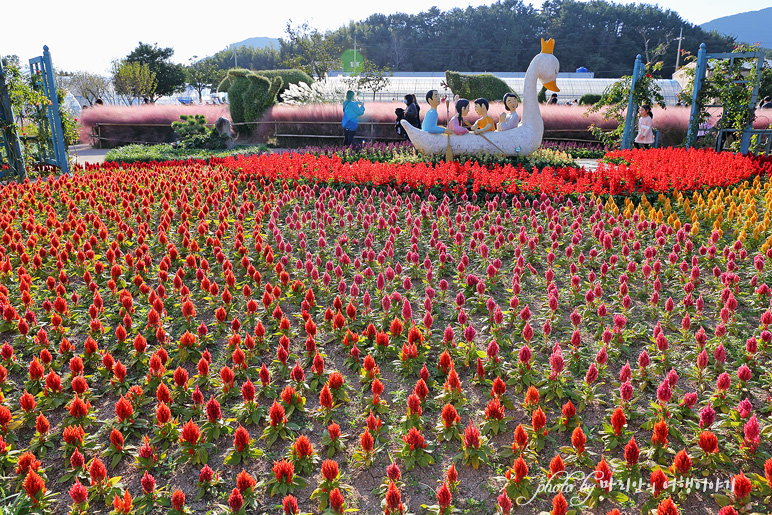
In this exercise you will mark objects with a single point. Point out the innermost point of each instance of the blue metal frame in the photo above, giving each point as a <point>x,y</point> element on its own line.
<point>699,77</point>
<point>8,134</point>
<point>632,107</point>
<point>42,73</point>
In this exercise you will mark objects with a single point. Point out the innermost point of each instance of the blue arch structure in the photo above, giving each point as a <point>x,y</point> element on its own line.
<point>702,67</point>
<point>42,75</point>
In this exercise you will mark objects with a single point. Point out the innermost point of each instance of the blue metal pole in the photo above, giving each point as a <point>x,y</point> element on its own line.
<point>57,131</point>
<point>627,135</point>
<point>699,75</point>
<point>9,136</point>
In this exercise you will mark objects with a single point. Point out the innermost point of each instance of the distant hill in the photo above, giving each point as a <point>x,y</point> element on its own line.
<point>749,27</point>
<point>259,42</point>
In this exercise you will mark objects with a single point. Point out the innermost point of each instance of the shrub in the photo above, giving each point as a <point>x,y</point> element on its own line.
<point>288,76</point>
<point>161,153</point>
<point>249,95</point>
<point>193,133</point>
<point>484,85</point>
<point>589,99</point>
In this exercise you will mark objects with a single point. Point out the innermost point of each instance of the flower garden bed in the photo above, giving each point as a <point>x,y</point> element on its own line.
<point>293,333</point>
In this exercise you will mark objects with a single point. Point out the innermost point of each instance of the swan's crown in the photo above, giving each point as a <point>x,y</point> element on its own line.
<point>547,46</point>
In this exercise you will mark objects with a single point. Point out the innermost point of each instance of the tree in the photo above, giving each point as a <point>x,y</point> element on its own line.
<point>373,77</point>
<point>133,80</point>
<point>87,85</point>
<point>170,77</point>
<point>203,74</point>
<point>309,50</point>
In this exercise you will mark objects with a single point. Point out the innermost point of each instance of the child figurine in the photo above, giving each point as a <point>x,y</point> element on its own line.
<point>509,119</point>
<point>485,123</point>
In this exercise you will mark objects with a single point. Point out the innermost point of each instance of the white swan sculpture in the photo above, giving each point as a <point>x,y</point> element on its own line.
<point>522,140</point>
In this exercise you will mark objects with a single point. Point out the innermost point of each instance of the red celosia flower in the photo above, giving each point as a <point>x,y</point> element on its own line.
<point>449,416</point>
<point>557,467</point>
<point>667,507</point>
<point>366,441</point>
<point>336,501</point>
<point>659,481</point>
<point>241,439</point>
<point>76,460</point>
<point>78,492</point>
<point>34,486</point>
<point>520,469</point>
<point>471,436</point>
<point>97,471</point>
<point>26,462</point>
<point>330,470</point>
<point>325,398</point>
<point>538,420</point>
<point>148,483</point>
<point>334,431</point>
<point>290,505</point>
<point>659,437</point>
<point>41,424</point>
<point>178,500</point>
<point>245,481</point>
<point>444,497</point>
<point>631,452</point>
<point>27,402</point>
<point>578,439</point>
<point>618,421</point>
<point>532,396</point>
<point>235,500</point>
<point>682,463</point>
<point>302,447</point>
<point>603,475</point>
<point>78,408</point>
<point>283,471</point>
<point>116,439</point>
<point>415,440</point>
<point>190,433</point>
<point>276,414</point>
<point>741,487</point>
<point>124,409</point>
<point>213,412</point>
<point>123,505</point>
<point>559,505</point>
<point>393,499</point>
<point>73,435</point>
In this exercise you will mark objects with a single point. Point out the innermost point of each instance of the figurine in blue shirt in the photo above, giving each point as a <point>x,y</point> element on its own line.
<point>430,120</point>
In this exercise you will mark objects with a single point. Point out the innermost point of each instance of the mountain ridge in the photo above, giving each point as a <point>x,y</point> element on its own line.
<point>747,27</point>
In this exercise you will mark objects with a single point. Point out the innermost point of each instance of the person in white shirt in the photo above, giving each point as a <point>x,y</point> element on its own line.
<point>645,137</point>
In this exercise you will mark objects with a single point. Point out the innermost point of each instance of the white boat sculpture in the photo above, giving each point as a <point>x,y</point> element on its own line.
<point>522,140</point>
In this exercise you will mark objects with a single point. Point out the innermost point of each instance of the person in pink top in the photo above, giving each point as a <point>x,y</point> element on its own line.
<point>645,137</point>
<point>457,123</point>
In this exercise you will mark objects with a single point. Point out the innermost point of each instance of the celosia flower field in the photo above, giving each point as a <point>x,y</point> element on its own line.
<point>292,334</point>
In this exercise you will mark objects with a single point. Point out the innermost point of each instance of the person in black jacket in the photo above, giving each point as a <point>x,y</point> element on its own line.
<point>412,111</point>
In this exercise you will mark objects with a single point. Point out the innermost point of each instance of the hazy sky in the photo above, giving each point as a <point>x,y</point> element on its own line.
<point>89,35</point>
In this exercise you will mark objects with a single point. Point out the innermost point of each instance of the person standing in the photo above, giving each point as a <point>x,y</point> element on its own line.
<point>352,110</point>
<point>412,111</point>
<point>645,137</point>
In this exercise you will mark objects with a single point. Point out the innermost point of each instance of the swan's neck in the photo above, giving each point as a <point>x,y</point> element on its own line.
<point>531,113</point>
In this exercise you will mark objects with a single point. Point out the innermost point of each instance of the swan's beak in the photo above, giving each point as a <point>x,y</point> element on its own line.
<point>551,86</point>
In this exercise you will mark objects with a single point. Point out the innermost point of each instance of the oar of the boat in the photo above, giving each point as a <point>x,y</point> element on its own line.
<point>492,143</point>
<point>448,152</point>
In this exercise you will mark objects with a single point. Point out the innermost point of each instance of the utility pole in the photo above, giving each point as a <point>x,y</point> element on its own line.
<point>235,57</point>
<point>678,54</point>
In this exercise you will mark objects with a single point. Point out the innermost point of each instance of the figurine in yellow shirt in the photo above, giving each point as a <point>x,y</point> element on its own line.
<point>485,123</point>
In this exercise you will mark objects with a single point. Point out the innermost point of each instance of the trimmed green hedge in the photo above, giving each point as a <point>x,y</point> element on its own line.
<point>249,95</point>
<point>288,76</point>
<point>150,153</point>
<point>589,99</point>
<point>471,87</point>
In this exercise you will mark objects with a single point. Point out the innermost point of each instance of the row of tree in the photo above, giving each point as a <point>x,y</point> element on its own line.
<point>602,36</point>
